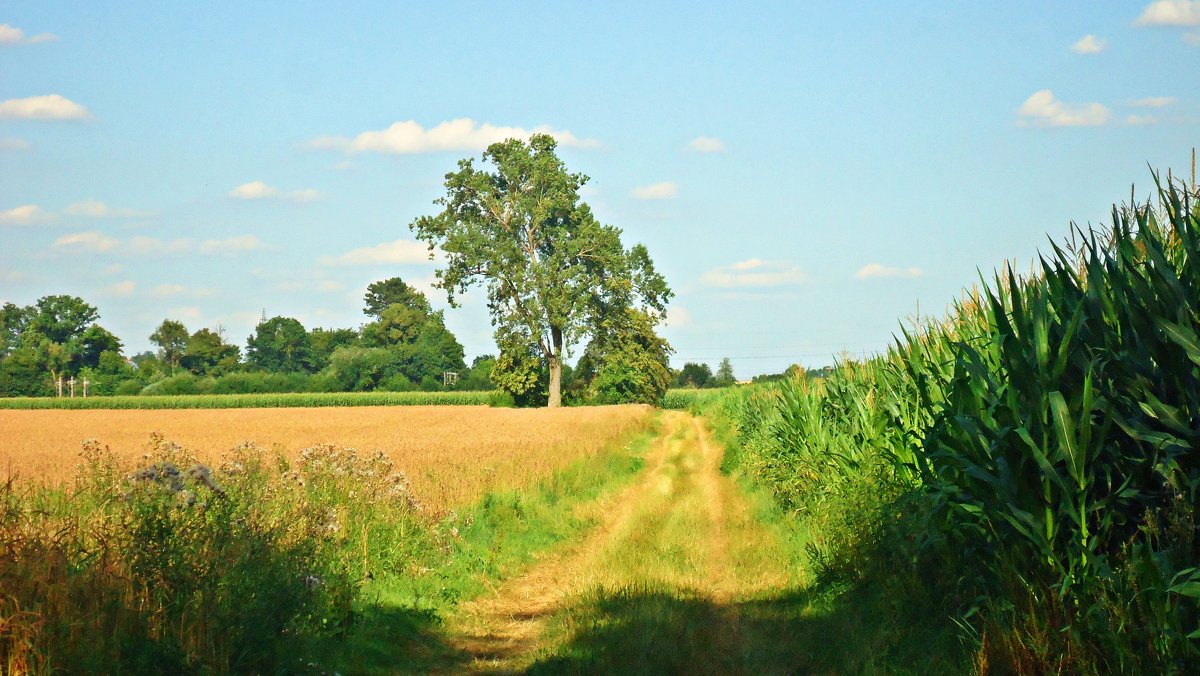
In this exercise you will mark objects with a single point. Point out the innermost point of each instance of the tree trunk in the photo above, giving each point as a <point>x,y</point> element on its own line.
<point>555,369</point>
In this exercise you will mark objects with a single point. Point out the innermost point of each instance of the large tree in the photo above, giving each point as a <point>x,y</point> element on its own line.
<point>550,268</point>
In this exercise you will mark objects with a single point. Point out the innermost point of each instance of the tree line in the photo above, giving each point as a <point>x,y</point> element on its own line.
<point>405,346</point>
<point>556,280</point>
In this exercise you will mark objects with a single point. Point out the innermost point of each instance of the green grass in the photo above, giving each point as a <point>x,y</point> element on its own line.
<point>277,400</point>
<point>401,626</point>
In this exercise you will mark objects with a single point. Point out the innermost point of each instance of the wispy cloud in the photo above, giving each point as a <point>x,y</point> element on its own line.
<point>1043,110</point>
<point>399,252</point>
<point>9,143</point>
<point>1088,44</point>
<point>657,191</point>
<point>1153,102</point>
<point>1140,120</point>
<point>706,144</point>
<point>125,288</point>
<point>50,107</point>
<point>97,242</point>
<point>877,270</point>
<point>171,290</point>
<point>1170,13</point>
<point>11,35</point>
<point>28,214</point>
<point>410,137</point>
<point>755,272</point>
<point>231,245</point>
<point>86,241</point>
<point>95,209</point>
<point>257,190</point>
<point>153,246</point>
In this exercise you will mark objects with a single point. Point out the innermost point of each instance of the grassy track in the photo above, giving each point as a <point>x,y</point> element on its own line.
<point>680,576</point>
<point>688,571</point>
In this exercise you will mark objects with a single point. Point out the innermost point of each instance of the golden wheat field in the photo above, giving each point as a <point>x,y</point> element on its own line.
<point>451,454</point>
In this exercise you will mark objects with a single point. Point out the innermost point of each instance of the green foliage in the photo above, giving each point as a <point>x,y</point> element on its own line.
<point>725,377</point>
<point>626,361</point>
<point>393,291</point>
<point>280,344</point>
<point>521,374</point>
<point>694,375</point>
<point>171,337</point>
<point>207,353</point>
<point>325,341</point>
<point>359,369</point>
<point>61,319</point>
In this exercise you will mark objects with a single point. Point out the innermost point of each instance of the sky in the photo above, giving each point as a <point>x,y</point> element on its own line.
<point>807,176</point>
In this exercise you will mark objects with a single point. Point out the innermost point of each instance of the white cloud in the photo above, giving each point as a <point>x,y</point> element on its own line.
<point>754,273</point>
<point>27,214</point>
<point>1170,13</point>
<point>257,190</point>
<point>51,107</point>
<point>677,317</point>
<point>1088,44</point>
<point>114,269</point>
<point>231,245</point>
<point>152,246</point>
<point>12,276</point>
<point>706,144</point>
<point>400,252</point>
<point>125,288</point>
<point>86,241</point>
<point>1153,102</point>
<point>656,191</point>
<point>9,143</point>
<point>1140,120</point>
<point>1043,110</point>
<point>750,264</point>
<point>875,270</point>
<point>254,190</point>
<point>95,209</point>
<point>409,137</point>
<point>169,290</point>
<point>1192,38</point>
<point>11,35</point>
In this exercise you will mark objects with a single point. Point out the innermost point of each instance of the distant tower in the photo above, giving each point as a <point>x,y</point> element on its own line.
<point>264,317</point>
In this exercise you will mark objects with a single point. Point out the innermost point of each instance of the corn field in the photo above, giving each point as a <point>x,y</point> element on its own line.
<point>1046,433</point>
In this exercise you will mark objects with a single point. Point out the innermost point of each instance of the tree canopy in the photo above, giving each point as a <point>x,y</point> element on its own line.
<point>552,271</point>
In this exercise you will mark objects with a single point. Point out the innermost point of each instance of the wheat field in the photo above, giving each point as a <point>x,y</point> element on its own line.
<point>451,454</point>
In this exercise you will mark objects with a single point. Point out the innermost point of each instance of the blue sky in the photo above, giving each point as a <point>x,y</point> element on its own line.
<point>805,175</point>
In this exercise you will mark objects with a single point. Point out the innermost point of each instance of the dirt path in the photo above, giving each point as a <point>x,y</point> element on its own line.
<point>682,537</point>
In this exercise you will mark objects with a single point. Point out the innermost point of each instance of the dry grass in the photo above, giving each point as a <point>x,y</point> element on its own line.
<point>451,454</point>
